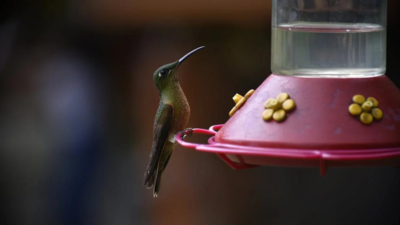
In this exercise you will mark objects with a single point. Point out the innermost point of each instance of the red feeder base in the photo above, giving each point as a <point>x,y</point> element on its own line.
<point>320,132</point>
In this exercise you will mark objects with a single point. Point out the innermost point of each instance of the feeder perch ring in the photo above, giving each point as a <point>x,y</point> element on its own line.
<point>243,157</point>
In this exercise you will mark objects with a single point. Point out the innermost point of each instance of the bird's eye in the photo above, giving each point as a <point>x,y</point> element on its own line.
<point>162,73</point>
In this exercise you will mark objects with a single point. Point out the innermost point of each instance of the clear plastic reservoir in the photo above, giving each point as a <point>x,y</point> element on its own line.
<point>329,38</point>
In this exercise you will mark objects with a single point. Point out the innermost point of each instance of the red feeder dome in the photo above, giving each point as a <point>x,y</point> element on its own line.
<point>320,132</point>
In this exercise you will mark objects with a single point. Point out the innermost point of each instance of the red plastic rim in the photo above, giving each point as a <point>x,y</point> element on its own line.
<point>241,157</point>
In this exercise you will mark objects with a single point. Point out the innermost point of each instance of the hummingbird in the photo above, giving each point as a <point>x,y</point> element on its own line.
<point>172,116</point>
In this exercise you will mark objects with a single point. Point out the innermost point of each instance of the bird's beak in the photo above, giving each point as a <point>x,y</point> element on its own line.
<point>190,53</point>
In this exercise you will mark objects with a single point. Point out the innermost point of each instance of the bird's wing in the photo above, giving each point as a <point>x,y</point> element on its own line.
<point>162,126</point>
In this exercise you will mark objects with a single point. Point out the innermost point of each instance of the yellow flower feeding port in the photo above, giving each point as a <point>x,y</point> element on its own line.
<point>278,108</point>
<point>366,109</point>
<point>239,101</point>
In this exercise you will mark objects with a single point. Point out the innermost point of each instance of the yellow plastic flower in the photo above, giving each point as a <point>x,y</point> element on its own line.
<point>240,100</point>
<point>278,108</point>
<point>367,109</point>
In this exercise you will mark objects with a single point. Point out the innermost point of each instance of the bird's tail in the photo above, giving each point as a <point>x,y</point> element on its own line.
<point>150,176</point>
<point>154,173</point>
<point>153,180</point>
<point>157,183</point>
<point>149,182</point>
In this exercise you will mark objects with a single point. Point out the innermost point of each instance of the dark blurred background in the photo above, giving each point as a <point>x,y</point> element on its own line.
<point>77,104</point>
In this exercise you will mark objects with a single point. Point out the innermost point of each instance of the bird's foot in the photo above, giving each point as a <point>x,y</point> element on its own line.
<point>187,132</point>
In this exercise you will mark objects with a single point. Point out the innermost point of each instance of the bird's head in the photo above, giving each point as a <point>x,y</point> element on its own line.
<point>167,74</point>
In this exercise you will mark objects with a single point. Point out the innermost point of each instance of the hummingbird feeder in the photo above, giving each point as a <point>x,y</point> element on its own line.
<point>327,102</point>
